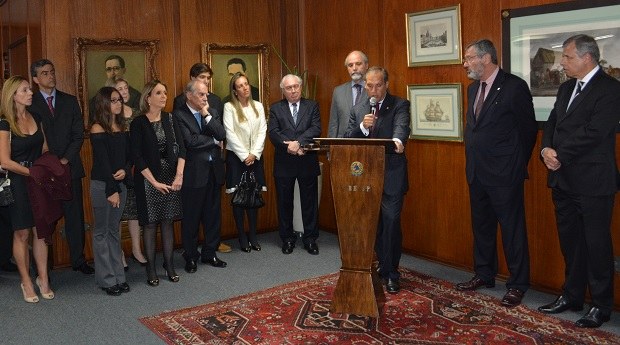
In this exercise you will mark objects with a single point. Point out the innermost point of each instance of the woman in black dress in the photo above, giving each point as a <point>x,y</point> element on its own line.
<point>159,157</point>
<point>22,141</point>
<point>111,164</point>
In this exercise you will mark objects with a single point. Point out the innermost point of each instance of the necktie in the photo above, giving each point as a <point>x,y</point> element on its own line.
<point>295,113</point>
<point>358,93</point>
<point>579,86</point>
<point>50,104</point>
<point>198,119</point>
<point>480,100</point>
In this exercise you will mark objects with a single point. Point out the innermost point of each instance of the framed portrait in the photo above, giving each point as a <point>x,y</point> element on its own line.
<point>228,59</point>
<point>434,37</point>
<point>532,43</point>
<point>436,112</point>
<point>98,61</point>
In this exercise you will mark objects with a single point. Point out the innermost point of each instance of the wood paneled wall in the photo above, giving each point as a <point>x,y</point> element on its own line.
<point>317,35</point>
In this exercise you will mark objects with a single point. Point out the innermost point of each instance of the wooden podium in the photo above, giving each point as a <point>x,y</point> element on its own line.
<point>357,168</point>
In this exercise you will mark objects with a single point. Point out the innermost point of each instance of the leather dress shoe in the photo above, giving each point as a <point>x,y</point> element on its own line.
<point>512,298</point>
<point>593,319</point>
<point>123,287</point>
<point>224,248</point>
<point>559,305</point>
<point>246,249</point>
<point>255,247</point>
<point>392,286</point>
<point>473,284</point>
<point>312,248</point>
<point>112,290</point>
<point>85,268</point>
<point>8,267</point>
<point>190,266</point>
<point>287,247</point>
<point>214,261</point>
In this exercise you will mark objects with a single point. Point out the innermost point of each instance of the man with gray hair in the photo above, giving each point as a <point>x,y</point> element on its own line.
<point>203,176</point>
<point>294,122</point>
<point>500,134</point>
<point>579,149</point>
<point>347,95</point>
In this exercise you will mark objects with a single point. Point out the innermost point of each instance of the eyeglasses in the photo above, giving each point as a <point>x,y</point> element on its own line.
<point>115,69</point>
<point>470,58</point>
<point>292,87</point>
<point>116,100</point>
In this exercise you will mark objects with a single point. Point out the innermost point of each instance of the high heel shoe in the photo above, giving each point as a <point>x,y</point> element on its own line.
<point>174,278</point>
<point>153,282</point>
<point>33,299</point>
<point>49,295</point>
<point>255,247</point>
<point>138,261</point>
<point>246,249</point>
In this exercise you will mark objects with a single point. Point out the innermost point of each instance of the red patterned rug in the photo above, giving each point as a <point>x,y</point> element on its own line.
<point>426,311</point>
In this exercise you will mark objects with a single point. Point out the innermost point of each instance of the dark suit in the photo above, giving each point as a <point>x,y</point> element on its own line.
<point>202,180</point>
<point>287,167</point>
<point>392,122</point>
<point>6,236</point>
<point>584,186</point>
<point>64,132</point>
<point>498,146</point>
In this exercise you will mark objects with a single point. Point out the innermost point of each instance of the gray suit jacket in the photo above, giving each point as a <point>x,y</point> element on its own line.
<point>342,102</point>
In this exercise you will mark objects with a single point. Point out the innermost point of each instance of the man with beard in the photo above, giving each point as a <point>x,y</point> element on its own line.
<point>499,137</point>
<point>347,95</point>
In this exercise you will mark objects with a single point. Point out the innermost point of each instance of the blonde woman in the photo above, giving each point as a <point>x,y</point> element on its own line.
<point>246,128</point>
<point>22,141</point>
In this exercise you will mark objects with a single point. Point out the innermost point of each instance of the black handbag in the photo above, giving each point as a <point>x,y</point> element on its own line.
<point>6,195</point>
<point>248,192</point>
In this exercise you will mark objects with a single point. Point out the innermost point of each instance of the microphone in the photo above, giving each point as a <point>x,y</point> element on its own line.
<point>373,105</point>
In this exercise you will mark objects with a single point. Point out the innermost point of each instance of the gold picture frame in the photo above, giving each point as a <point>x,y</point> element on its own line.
<point>434,37</point>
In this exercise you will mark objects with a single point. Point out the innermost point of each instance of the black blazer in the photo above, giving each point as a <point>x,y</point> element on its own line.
<point>200,145</point>
<point>144,148</point>
<point>584,137</point>
<point>499,144</point>
<point>393,122</point>
<point>281,128</point>
<point>214,102</point>
<point>64,131</point>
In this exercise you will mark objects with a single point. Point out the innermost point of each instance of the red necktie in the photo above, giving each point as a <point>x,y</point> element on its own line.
<point>50,104</point>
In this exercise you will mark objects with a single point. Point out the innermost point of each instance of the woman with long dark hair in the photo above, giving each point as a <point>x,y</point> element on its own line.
<point>111,163</point>
<point>159,156</point>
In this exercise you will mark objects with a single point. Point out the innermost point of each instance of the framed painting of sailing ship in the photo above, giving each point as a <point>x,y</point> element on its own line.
<point>434,37</point>
<point>436,112</point>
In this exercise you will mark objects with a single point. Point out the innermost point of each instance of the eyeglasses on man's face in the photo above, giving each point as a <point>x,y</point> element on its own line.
<point>294,87</point>
<point>115,69</point>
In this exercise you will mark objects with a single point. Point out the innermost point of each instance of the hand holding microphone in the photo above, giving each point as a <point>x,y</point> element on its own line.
<point>369,120</point>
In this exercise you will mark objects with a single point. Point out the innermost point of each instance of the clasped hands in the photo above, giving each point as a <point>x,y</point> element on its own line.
<point>294,148</point>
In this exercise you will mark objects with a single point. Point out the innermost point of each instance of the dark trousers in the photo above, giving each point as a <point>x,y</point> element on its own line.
<point>491,205</point>
<point>201,205</point>
<point>584,224</point>
<point>389,240</point>
<point>74,223</point>
<point>6,236</point>
<point>309,195</point>
<point>239,215</point>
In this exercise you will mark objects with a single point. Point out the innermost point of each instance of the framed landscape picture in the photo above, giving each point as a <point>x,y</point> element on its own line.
<point>434,37</point>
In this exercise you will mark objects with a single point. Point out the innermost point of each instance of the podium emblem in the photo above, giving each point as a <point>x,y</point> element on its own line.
<point>357,168</point>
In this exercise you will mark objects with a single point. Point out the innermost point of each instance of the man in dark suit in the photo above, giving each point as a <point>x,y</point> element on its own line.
<point>389,120</point>
<point>203,134</point>
<point>293,123</point>
<point>203,72</point>
<point>64,130</point>
<point>579,144</point>
<point>347,95</point>
<point>6,241</point>
<point>500,134</point>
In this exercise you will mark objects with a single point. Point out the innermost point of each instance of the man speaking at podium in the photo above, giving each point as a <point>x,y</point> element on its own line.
<point>387,117</point>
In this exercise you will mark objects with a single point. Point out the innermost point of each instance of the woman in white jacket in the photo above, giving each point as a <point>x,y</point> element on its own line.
<point>246,128</point>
